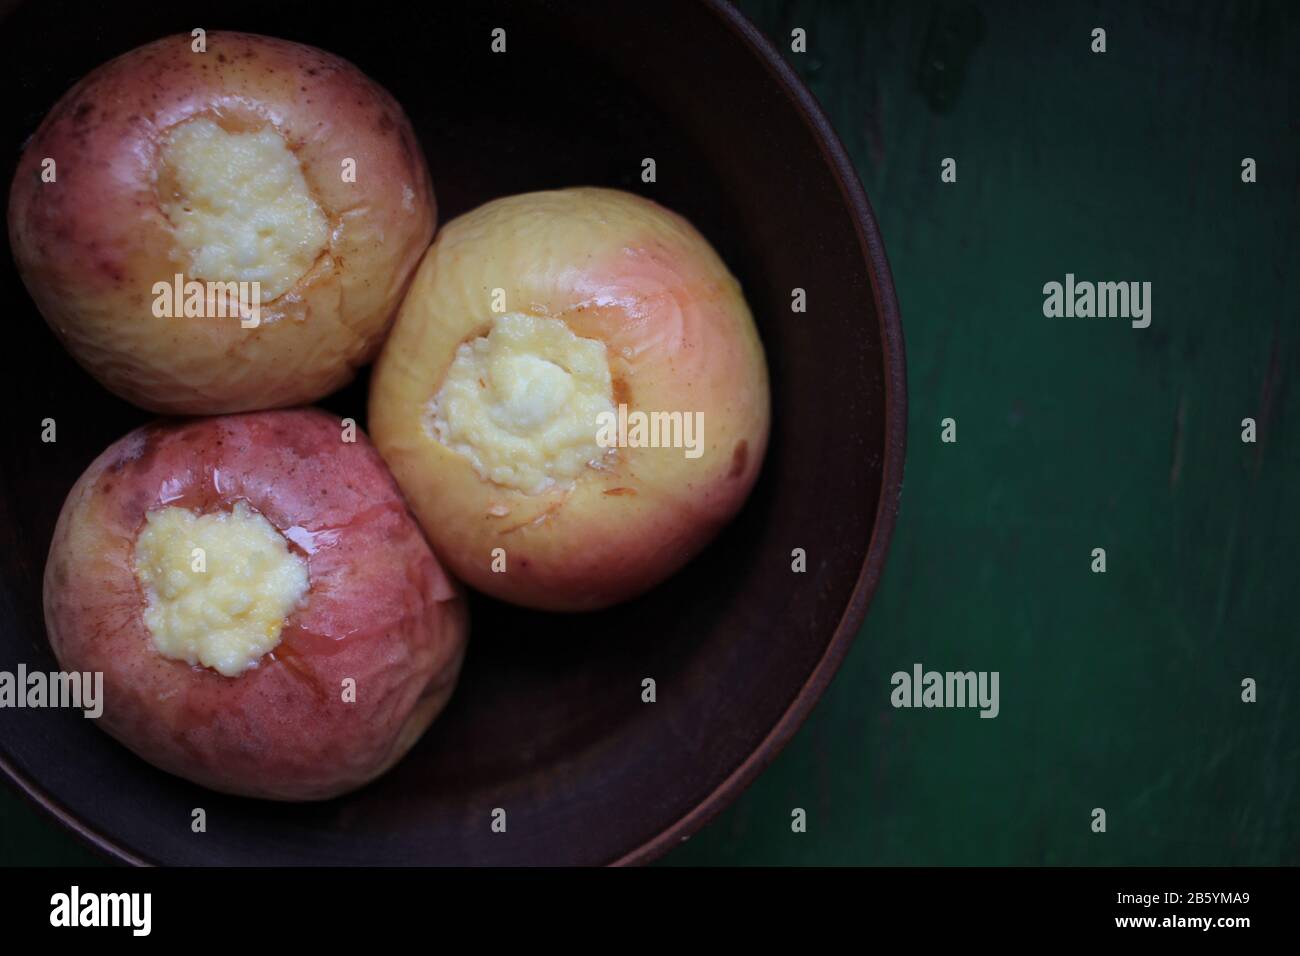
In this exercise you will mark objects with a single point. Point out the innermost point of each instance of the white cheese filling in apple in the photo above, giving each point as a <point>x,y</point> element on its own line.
<point>522,403</point>
<point>218,587</point>
<point>240,205</point>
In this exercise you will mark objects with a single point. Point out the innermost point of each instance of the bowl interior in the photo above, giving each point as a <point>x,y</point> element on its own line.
<point>548,722</point>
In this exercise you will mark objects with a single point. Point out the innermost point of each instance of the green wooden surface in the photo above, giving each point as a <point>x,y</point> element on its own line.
<point>1118,690</point>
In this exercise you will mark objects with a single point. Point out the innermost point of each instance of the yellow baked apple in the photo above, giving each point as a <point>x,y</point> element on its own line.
<point>221,224</point>
<point>573,398</point>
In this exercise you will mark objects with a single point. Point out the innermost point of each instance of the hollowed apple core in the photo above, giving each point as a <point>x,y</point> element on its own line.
<point>522,402</point>
<point>240,206</point>
<point>218,587</point>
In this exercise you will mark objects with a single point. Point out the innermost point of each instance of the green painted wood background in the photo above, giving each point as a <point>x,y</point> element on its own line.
<point>1118,690</point>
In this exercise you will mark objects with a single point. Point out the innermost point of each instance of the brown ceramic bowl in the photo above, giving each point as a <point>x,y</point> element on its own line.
<point>548,721</point>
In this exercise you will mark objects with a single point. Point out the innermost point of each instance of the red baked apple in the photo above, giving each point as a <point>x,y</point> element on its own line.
<point>574,397</point>
<point>268,617</point>
<point>225,229</point>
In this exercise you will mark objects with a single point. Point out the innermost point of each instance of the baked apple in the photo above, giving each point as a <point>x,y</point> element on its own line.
<point>574,397</point>
<point>225,230</point>
<point>268,617</point>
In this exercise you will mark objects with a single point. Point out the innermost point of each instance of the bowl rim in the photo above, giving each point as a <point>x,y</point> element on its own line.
<point>895,384</point>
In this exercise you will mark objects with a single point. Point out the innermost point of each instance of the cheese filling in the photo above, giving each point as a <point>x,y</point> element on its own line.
<point>218,586</point>
<point>522,403</point>
<point>240,206</point>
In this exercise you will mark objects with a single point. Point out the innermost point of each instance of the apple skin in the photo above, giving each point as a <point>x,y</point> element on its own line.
<point>380,609</point>
<point>91,245</point>
<point>613,267</point>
